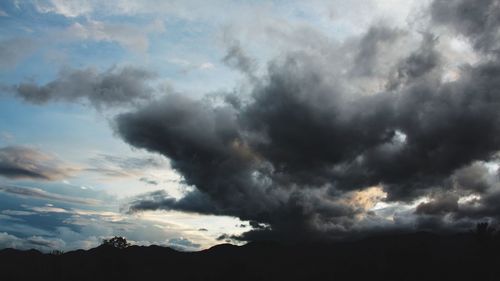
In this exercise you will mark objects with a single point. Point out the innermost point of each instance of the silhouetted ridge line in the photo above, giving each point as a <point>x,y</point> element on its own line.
<point>414,256</point>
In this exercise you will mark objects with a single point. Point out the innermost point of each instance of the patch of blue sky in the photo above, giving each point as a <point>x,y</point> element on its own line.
<point>43,63</point>
<point>26,17</point>
<point>66,130</point>
<point>10,202</point>
<point>98,54</point>
<point>97,199</point>
<point>33,67</point>
<point>35,217</point>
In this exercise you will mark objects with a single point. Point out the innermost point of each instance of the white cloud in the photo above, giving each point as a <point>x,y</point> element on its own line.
<point>48,209</point>
<point>34,242</point>
<point>129,36</point>
<point>9,241</point>
<point>67,8</point>
<point>42,194</point>
<point>187,66</point>
<point>206,65</point>
<point>17,213</point>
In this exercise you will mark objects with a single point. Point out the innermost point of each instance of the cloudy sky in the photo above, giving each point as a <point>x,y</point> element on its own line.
<point>191,123</point>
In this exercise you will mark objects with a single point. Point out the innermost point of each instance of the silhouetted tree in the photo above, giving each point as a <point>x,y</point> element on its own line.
<point>116,242</point>
<point>56,252</point>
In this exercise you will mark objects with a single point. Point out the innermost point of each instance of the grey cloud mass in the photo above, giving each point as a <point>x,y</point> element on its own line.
<point>239,60</point>
<point>365,62</point>
<point>477,20</point>
<point>302,155</point>
<point>113,87</point>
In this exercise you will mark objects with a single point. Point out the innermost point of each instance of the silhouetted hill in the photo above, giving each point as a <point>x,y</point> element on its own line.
<point>419,256</point>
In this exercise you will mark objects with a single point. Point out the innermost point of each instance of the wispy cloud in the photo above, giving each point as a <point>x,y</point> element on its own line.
<point>68,9</point>
<point>115,166</point>
<point>42,194</point>
<point>187,66</point>
<point>132,37</point>
<point>20,162</point>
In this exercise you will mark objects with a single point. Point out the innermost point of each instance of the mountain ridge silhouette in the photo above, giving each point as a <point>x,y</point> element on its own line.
<point>414,256</point>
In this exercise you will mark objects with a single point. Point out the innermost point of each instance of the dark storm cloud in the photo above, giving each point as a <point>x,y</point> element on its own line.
<point>296,156</point>
<point>443,204</point>
<point>202,143</point>
<point>422,61</point>
<point>113,87</point>
<point>477,20</point>
<point>482,187</point>
<point>447,126</point>
<point>478,188</point>
<point>24,162</point>
<point>160,200</point>
<point>474,179</point>
<point>205,145</point>
<point>377,37</point>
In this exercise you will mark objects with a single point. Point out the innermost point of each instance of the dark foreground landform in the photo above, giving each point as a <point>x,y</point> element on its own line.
<point>418,256</point>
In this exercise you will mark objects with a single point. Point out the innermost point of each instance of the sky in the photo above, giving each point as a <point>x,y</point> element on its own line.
<point>192,123</point>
